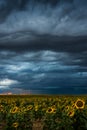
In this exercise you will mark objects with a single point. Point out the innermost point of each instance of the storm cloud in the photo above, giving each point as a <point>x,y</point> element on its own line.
<point>43,72</point>
<point>43,46</point>
<point>59,17</point>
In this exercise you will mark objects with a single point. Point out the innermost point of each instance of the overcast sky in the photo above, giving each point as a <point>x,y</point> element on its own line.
<point>43,46</point>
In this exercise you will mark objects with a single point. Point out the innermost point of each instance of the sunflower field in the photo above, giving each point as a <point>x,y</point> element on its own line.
<point>30,112</point>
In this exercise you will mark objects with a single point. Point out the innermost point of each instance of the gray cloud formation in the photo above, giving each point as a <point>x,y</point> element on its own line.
<point>59,18</point>
<point>43,71</point>
<point>43,46</point>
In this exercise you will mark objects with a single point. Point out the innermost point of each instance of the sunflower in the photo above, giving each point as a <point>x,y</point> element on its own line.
<point>73,105</point>
<point>54,110</point>
<point>29,107</point>
<point>36,108</point>
<point>22,110</point>
<point>71,113</point>
<point>14,110</point>
<point>51,110</point>
<point>79,104</point>
<point>1,108</point>
<point>15,125</point>
<point>67,108</point>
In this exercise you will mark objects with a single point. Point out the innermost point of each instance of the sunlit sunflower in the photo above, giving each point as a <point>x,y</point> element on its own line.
<point>1,108</point>
<point>29,107</point>
<point>14,110</point>
<point>15,125</point>
<point>54,110</point>
<point>51,110</point>
<point>73,105</point>
<point>67,108</point>
<point>43,109</point>
<point>22,110</point>
<point>36,108</point>
<point>71,113</point>
<point>79,104</point>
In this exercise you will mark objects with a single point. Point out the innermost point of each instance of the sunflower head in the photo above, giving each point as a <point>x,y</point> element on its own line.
<point>36,108</point>
<point>14,110</point>
<point>51,110</point>
<point>67,108</point>
<point>54,110</point>
<point>15,125</point>
<point>79,104</point>
<point>71,113</point>
<point>29,107</point>
<point>1,108</point>
<point>73,105</point>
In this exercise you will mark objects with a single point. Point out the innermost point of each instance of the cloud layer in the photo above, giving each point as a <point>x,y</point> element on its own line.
<point>43,72</point>
<point>59,18</point>
<point>43,46</point>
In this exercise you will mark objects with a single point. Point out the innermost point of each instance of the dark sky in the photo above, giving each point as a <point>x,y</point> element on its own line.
<point>43,46</point>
